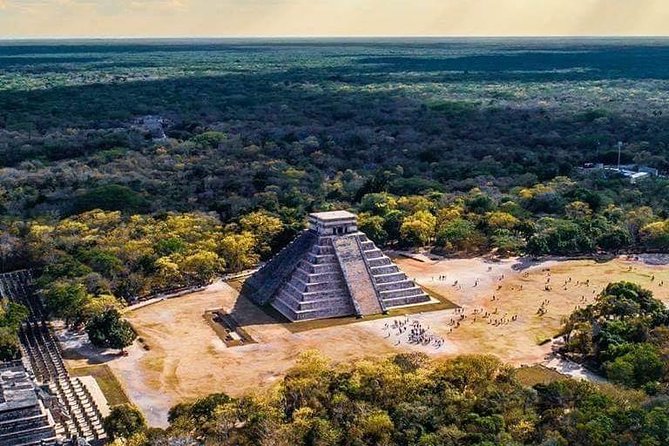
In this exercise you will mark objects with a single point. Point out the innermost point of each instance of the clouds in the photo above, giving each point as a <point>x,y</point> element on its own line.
<point>331,17</point>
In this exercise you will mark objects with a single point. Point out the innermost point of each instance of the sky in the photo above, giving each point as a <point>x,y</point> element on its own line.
<point>302,18</point>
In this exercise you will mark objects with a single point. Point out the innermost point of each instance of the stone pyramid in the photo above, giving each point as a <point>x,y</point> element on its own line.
<point>331,270</point>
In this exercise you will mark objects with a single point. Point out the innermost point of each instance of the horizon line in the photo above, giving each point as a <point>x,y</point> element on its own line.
<point>361,36</point>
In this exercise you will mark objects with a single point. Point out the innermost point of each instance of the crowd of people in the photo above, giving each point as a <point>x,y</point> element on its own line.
<point>417,334</point>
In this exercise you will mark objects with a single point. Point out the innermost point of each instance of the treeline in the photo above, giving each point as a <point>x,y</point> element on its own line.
<point>408,399</point>
<point>558,217</point>
<point>624,335</point>
<point>91,260</point>
<point>290,128</point>
<point>99,253</point>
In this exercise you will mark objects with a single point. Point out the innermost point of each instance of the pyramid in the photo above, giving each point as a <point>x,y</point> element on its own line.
<point>331,270</point>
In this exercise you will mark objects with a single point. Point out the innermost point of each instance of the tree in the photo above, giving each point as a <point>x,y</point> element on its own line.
<point>642,364</point>
<point>201,266</point>
<point>622,333</point>
<point>563,237</point>
<point>413,203</point>
<point>264,227</point>
<point>378,203</point>
<point>656,235</point>
<point>10,347</point>
<point>578,210</point>
<point>98,305</point>
<point>501,220</point>
<point>615,239</point>
<point>418,229</point>
<point>111,197</point>
<point>372,226</point>
<point>638,218</point>
<point>108,330</point>
<point>124,421</point>
<point>66,300</point>
<point>479,203</point>
<point>506,242</point>
<point>460,235</point>
<point>13,314</point>
<point>238,251</point>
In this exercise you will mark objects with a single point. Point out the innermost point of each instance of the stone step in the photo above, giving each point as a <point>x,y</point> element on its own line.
<point>406,300</point>
<point>311,268</point>
<point>288,300</point>
<point>262,286</point>
<point>303,287</point>
<point>308,277</point>
<point>374,254</point>
<point>379,261</point>
<point>304,315</point>
<point>300,296</point>
<point>400,284</point>
<point>321,259</point>
<point>384,269</point>
<point>396,276</point>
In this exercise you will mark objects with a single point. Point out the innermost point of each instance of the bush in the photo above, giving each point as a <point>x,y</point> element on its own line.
<point>124,422</point>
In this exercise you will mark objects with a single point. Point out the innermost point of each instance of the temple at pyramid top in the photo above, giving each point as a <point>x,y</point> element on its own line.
<point>333,223</point>
<point>331,269</point>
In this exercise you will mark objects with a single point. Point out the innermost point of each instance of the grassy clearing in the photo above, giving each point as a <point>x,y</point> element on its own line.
<point>537,374</point>
<point>108,383</point>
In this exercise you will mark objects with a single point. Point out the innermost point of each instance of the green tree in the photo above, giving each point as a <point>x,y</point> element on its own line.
<point>642,364</point>
<point>111,197</point>
<point>13,314</point>
<point>10,347</point>
<point>378,203</point>
<point>460,235</point>
<point>66,300</point>
<point>479,203</point>
<point>372,226</point>
<point>615,239</point>
<point>124,421</point>
<point>108,330</point>
<point>418,229</point>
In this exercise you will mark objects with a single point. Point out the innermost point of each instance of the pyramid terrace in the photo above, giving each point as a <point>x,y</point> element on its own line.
<point>330,270</point>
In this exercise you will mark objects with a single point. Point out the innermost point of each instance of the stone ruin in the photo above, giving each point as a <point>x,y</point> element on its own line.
<point>332,270</point>
<point>25,418</point>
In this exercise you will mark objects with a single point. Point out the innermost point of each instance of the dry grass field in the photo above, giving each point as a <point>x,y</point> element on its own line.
<point>181,357</point>
<point>108,383</point>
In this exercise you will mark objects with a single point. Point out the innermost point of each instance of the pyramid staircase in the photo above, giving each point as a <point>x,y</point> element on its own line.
<point>359,281</point>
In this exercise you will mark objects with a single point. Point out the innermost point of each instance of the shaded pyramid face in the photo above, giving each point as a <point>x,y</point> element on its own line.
<point>332,270</point>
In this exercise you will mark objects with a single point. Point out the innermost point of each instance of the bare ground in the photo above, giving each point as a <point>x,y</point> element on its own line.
<point>186,359</point>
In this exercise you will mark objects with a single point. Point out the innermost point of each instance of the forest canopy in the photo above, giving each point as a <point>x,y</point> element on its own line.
<point>410,399</point>
<point>127,169</point>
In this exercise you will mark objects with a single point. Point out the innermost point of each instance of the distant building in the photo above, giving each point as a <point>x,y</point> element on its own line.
<point>631,171</point>
<point>154,125</point>
<point>649,170</point>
